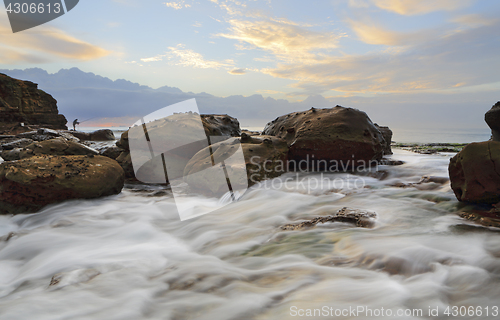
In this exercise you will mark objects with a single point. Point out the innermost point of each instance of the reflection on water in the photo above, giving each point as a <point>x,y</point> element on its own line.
<point>130,257</point>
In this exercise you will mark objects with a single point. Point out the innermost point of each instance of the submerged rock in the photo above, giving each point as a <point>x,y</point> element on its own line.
<point>485,218</point>
<point>475,173</point>
<point>28,185</point>
<point>338,134</point>
<point>360,218</point>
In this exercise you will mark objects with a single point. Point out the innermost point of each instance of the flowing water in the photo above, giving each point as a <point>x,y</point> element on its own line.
<point>130,257</point>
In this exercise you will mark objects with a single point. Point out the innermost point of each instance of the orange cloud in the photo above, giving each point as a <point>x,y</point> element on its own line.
<point>44,45</point>
<point>284,39</point>
<point>414,7</point>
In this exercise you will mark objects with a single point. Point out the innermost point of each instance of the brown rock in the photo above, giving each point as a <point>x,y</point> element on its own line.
<point>492,118</point>
<point>220,125</point>
<point>387,133</point>
<point>475,173</point>
<point>125,161</point>
<point>58,146</point>
<point>22,102</point>
<point>264,157</point>
<point>123,141</point>
<point>339,134</point>
<point>112,152</point>
<point>28,185</point>
<point>360,218</point>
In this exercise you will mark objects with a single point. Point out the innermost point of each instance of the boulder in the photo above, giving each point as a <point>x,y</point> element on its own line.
<point>475,173</point>
<point>57,146</point>
<point>343,135</point>
<point>98,135</point>
<point>387,133</point>
<point>123,141</point>
<point>22,102</point>
<point>125,161</point>
<point>102,135</point>
<point>220,125</point>
<point>264,157</point>
<point>178,128</point>
<point>112,152</point>
<point>492,118</point>
<point>28,185</point>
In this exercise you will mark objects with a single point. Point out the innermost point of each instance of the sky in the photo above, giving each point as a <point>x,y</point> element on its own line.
<point>387,56</point>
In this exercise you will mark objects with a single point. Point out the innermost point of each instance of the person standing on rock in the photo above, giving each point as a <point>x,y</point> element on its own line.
<point>75,122</point>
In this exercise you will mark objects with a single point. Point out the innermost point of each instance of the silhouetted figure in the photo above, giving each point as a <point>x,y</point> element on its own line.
<point>75,122</point>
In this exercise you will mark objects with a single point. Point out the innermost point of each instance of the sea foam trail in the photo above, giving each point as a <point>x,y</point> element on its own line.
<point>130,257</point>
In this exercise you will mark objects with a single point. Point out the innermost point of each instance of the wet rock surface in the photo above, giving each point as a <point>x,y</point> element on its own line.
<point>475,173</point>
<point>360,218</point>
<point>28,185</point>
<point>264,157</point>
<point>341,134</point>
<point>492,118</point>
<point>387,133</point>
<point>57,146</point>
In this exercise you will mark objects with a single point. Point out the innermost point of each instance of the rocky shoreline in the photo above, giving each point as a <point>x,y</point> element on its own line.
<point>40,165</point>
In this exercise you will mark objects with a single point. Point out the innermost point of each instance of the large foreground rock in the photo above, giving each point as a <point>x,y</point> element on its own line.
<point>264,157</point>
<point>338,134</point>
<point>475,173</point>
<point>492,118</point>
<point>28,185</point>
<point>220,126</point>
<point>22,102</point>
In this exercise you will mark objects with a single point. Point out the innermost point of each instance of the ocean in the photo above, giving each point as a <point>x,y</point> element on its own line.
<point>129,256</point>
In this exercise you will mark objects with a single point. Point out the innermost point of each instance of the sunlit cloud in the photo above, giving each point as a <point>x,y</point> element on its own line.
<point>473,20</point>
<point>440,63</point>
<point>190,58</point>
<point>373,34</point>
<point>413,7</point>
<point>177,5</point>
<point>47,44</point>
<point>286,40</point>
<point>154,59</point>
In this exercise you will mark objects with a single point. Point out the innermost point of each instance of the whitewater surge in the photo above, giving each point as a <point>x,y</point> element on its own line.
<point>130,257</point>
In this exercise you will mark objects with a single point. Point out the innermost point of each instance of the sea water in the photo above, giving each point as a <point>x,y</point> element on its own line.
<point>129,256</point>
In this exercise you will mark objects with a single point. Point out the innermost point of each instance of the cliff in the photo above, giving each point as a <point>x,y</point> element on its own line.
<point>22,102</point>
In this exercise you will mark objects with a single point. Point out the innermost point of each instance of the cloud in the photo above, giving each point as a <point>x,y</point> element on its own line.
<point>154,59</point>
<point>468,57</point>
<point>473,20</point>
<point>177,4</point>
<point>47,44</point>
<point>374,34</point>
<point>413,7</point>
<point>237,71</point>
<point>286,40</point>
<point>187,57</point>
